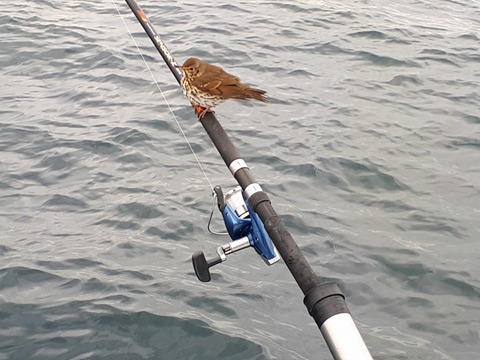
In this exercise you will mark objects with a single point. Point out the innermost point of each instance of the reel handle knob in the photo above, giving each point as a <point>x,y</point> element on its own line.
<point>201,265</point>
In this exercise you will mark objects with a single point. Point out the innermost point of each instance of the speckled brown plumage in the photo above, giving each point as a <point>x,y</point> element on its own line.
<point>207,86</point>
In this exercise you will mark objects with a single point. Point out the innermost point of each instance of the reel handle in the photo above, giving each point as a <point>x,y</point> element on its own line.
<point>201,265</point>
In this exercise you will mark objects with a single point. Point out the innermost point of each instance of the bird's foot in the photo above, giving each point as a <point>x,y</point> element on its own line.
<point>201,111</point>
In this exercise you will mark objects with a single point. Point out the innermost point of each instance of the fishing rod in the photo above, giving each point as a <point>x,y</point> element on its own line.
<point>251,221</point>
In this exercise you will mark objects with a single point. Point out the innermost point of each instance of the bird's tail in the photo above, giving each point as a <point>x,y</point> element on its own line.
<point>257,94</point>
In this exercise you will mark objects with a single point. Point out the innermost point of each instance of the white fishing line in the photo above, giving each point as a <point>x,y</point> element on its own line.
<point>164,98</point>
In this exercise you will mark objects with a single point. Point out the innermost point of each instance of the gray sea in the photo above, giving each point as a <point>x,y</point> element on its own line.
<point>369,150</point>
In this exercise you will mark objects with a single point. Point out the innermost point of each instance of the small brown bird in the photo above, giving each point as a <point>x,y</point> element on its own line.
<point>207,86</point>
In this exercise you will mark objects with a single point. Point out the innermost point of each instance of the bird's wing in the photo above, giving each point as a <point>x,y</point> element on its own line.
<point>214,79</point>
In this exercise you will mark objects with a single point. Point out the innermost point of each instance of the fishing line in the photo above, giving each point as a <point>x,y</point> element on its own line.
<point>164,98</point>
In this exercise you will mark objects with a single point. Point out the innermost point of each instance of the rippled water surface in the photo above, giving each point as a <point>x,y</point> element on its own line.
<point>369,148</point>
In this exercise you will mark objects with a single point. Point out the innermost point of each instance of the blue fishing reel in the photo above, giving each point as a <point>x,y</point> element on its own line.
<point>245,229</point>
